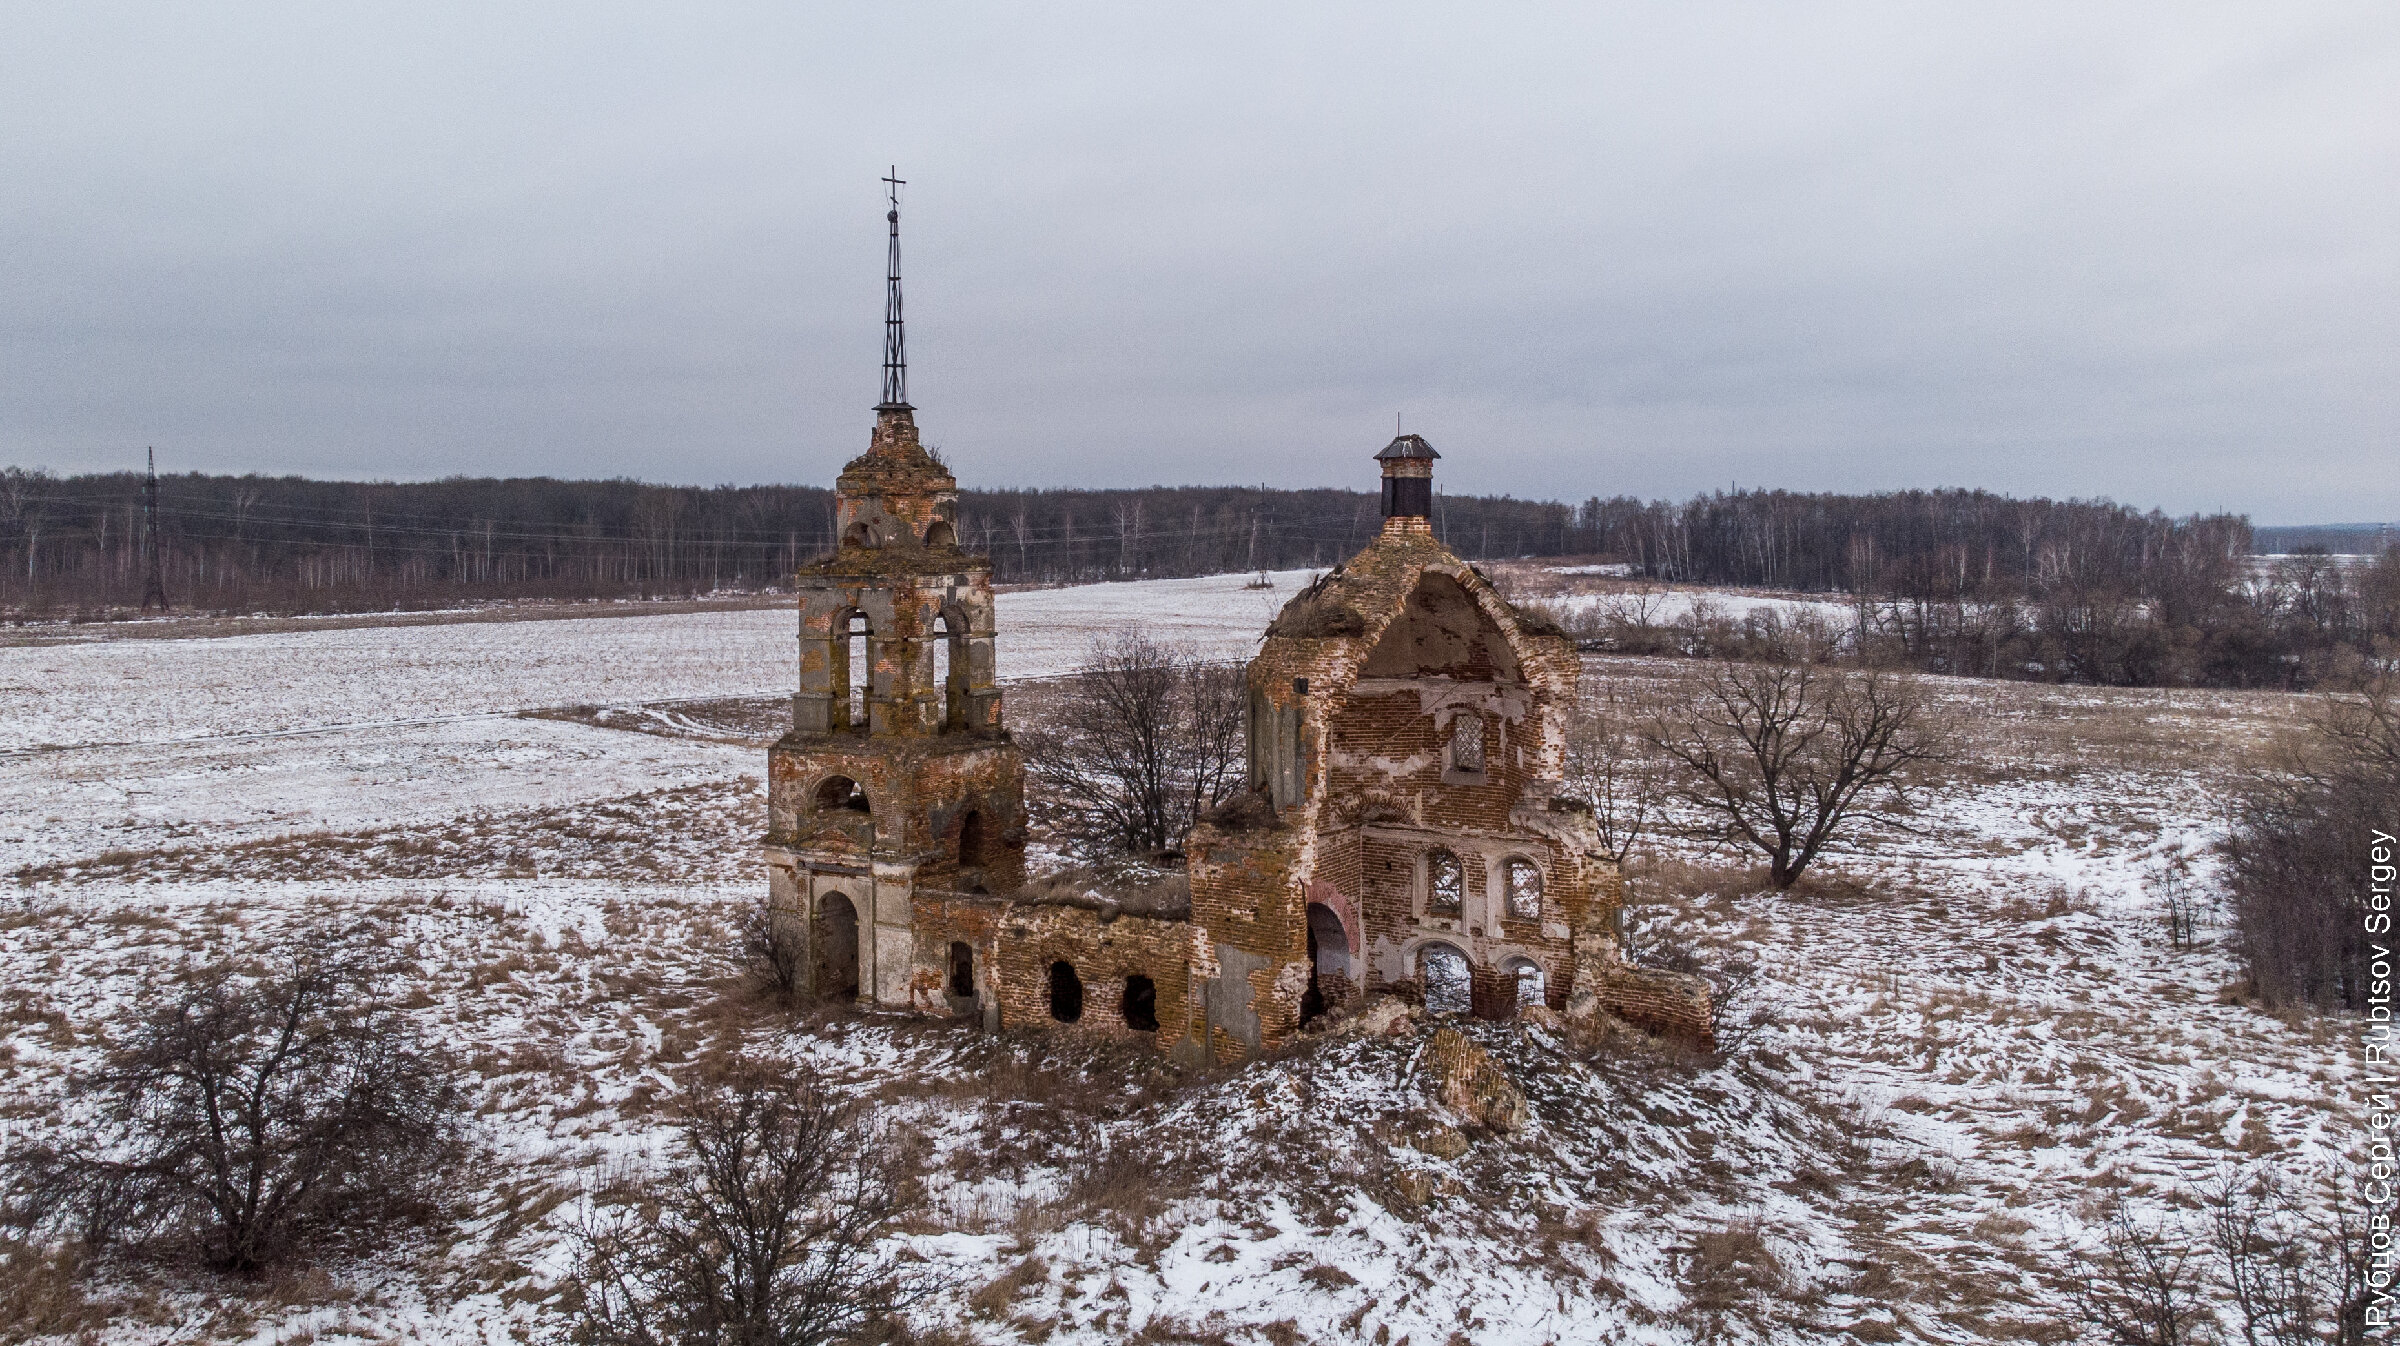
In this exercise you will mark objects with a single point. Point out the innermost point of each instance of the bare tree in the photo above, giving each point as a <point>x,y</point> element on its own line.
<point>263,1107</point>
<point>774,948</point>
<point>2277,1273</point>
<point>2144,1286</point>
<point>2297,852</point>
<point>767,1232</point>
<point>1777,757</point>
<point>1609,766</point>
<point>1145,738</point>
<point>2184,903</point>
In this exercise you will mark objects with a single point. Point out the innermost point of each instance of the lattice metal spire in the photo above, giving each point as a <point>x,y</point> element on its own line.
<point>154,585</point>
<point>895,341</point>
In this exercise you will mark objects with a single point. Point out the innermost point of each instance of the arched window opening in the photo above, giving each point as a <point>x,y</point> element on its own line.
<point>841,792</point>
<point>941,534</point>
<point>1449,983</point>
<point>1066,992</point>
<point>837,948</point>
<point>1141,1004</point>
<point>858,670</point>
<point>858,534</point>
<point>950,669</point>
<point>962,969</point>
<point>1466,741</point>
<point>1524,890</point>
<point>970,839</point>
<point>1530,984</point>
<point>1445,884</point>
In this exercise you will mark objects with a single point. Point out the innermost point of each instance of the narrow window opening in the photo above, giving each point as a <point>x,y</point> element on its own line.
<point>970,839</point>
<point>1066,992</point>
<point>1524,890</point>
<point>1445,884</point>
<point>1466,741</point>
<point>950,669</point>
<point>860,671</point>
<point>1141,1003</point>
<point>941,668</point>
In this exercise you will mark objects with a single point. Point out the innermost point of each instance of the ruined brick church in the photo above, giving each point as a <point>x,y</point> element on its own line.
<point>1404,829</point>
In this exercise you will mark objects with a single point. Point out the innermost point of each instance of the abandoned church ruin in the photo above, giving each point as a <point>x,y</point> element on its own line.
<point>1403,830</point>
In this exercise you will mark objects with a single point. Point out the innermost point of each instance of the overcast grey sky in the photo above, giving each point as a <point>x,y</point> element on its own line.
<point>2150,251</point>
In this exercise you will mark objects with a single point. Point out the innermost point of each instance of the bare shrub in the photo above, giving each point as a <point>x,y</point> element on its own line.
<point>1731,1271</point>
<point>1142,740</point>
<point>2185,905</point>
<point>1777,757</point>
<point>765,1234</point>
<point>2145,1286</point>
<point>2298,855</point>
<point>774,949</point>
<point>39,1294</point>
<point>2277,1274</point>
<point>2358,1240</point>
<point>265,1108</point>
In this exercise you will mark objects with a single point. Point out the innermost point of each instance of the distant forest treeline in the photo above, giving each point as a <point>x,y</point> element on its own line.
<point>73,545</point>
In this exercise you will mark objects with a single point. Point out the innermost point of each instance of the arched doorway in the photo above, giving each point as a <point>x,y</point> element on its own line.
<point>1531,987</point>
<point>1066,992</point>
<point>1329,984</point>
<point>1141,1004</point>
<point>837,947</point>
<point>1448,979</point>
<point>962,970</point>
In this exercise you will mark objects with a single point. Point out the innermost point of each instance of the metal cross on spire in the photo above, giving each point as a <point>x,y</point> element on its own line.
<point>895,343</point>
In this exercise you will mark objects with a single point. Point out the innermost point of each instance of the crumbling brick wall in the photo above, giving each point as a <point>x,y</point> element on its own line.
<point>1105,952</point>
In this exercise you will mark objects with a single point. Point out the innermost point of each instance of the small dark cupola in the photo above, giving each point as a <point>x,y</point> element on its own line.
<point>1407,478</point>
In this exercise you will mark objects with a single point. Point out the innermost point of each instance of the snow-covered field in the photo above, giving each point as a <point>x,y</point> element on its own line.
<point>1967,1037</point>
<point>126,744</point>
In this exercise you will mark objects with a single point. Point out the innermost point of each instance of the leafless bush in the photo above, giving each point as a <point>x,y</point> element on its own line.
<point>2277,1274</point>
<point>265,1108</point>
<point>774,948</point>
<point>2145,1287</point>
<point>39,1293</point>
<point>1144,739</point>
<point>1777,757</point>
<point>767,1232</point>
<point>2298,855</point>
<point>2185,904</point>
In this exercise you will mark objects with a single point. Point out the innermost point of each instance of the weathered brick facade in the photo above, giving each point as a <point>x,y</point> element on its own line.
<point>1404,833</point>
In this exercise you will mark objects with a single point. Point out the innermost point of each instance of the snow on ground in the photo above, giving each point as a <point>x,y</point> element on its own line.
<point>124,744</point>
<point>1660,605</point>
<point>1969,1034</point>
<point>150,691</point>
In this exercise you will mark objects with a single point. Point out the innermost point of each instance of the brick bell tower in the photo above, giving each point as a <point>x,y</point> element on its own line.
<point>896,778</point>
